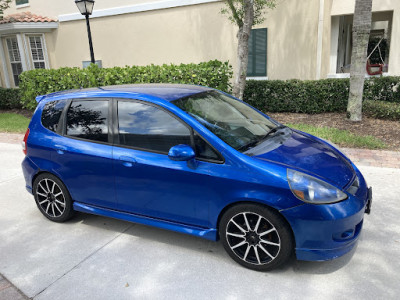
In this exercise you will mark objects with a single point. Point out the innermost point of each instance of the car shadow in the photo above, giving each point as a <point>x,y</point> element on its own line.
<point>197,244</point>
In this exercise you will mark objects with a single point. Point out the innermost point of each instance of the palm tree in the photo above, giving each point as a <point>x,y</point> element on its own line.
<point>361,31</point>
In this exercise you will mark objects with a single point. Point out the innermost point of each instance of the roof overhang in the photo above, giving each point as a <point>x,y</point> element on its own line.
<point>33,27</point>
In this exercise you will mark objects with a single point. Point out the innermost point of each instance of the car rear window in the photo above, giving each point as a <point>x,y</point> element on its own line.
<point>51,114</point>
<point>88,120</point>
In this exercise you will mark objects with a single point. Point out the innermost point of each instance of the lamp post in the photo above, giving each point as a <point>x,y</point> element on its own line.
<point>86,8</point>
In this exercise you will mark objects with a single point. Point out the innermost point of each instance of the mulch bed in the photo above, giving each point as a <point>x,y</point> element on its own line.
<point>387,131</point>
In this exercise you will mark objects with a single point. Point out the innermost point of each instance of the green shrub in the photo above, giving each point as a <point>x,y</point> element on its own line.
<point>382,110</point>
<point>9,98</point>
<point>310,96</point>
<point>214,74</point>
<point>316,96</point>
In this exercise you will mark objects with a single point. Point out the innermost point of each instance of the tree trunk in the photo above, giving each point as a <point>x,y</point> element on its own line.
<point>243,49</point>
<point>361,30</point>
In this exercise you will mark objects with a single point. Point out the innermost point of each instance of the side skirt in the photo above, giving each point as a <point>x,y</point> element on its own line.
<point>209,234</point>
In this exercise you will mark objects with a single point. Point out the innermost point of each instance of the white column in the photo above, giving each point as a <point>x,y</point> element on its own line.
<point>319,40</point>
<point>22,52</point>
<point>334,44</point>
<point>4,64</point>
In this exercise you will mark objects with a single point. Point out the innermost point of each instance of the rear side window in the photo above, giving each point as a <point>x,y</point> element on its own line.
<point>88,120</point>
<point>51,114</point>
<point>149,128</point>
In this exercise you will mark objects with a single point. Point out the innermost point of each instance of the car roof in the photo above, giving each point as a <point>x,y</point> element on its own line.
<point>168,92</point>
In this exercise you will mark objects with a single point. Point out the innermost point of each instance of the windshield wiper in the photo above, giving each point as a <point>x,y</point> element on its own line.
<point>256,142</point>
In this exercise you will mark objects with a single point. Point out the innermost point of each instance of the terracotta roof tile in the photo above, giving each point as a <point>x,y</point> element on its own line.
<point>26,17</point>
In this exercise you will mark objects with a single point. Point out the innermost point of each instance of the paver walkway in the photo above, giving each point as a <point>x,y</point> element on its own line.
<point>10,292</point>
<point>365,157</point>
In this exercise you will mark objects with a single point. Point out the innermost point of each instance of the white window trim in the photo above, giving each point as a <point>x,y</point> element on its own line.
<point>257,78</point>
<point>347,75</point>
<point>4,64</point>
<point>22,5</point>
<point>135,8</point>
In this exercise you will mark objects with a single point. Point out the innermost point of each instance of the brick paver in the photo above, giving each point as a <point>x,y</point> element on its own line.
<point>365,157</point>
<point>10,292</point>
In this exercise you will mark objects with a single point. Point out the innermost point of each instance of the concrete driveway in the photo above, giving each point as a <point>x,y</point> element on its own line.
<point>92,257</point>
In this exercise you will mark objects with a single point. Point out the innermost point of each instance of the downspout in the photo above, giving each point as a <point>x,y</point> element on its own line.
<point>319,40</point>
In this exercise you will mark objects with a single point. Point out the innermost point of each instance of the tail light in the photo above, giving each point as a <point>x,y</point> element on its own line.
<point>24,145</point>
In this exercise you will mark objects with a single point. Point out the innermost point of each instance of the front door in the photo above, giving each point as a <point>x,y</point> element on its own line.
<point>147,181</point>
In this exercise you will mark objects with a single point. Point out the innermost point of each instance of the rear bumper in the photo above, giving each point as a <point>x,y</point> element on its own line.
<point>29,169</point>
<point>324,232</point>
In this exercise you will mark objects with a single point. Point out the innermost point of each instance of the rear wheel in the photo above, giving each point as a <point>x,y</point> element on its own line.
<point>52,198</point>
<point>256,237</point>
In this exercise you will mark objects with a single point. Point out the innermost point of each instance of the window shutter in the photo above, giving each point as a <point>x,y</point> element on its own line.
<point>257,65</point>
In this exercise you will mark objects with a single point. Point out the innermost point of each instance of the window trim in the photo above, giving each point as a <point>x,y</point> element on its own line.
<point>44,49</point>
<point>191,130</point>
<point>22,5</point>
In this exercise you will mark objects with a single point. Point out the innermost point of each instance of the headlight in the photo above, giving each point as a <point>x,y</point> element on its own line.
<point>312,190</point>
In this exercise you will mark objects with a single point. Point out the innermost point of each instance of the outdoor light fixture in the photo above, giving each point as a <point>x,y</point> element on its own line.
<point>86,8</point>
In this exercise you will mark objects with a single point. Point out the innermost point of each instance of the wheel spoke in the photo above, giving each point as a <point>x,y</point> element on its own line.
<point>265,250</point>
<point>258,223</point>
<point>47,185</point>
<point>236,235</point>
<point>44,201</point>
<point>270,243</point>
<point>47,208</point>
<point>40,184</point>
<point>52,208</point>
<point>239,244</point>
<point>52,188</point>
<point>247,252</point>
<point>43,195</point>
<point>257,255</point>
<point>55,204</point>
<point>238,226</point>
<point>246,221</point>
<point>266,232</point>
<point>58,194</point>
<point>59,202</point>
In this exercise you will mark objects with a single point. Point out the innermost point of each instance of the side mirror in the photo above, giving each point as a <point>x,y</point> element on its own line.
<point>181,153</point>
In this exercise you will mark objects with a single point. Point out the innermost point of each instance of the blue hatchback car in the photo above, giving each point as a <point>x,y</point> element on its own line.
<point>198,161</point>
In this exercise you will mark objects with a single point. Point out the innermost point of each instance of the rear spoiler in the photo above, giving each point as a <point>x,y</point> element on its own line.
<point>40,98</point>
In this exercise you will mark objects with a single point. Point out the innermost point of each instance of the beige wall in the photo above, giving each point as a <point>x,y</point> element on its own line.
<point>191,34</point>
<point>54,8</point>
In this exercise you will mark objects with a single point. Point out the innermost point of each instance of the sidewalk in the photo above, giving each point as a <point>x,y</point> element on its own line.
<point>364,157</point>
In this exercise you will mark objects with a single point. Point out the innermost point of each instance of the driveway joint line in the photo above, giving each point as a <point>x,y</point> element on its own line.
<point>85,259</point>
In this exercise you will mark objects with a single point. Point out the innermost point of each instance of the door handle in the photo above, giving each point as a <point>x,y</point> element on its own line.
<point>60,149</point>
<point>127,161</point>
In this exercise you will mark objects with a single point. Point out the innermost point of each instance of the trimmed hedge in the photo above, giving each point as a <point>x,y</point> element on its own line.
<point>319,96</point>
<point>215,74</point>
<point>9,98</point>
<point>382,110</point>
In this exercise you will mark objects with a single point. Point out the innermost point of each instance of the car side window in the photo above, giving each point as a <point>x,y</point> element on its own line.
<point>51,114</point>
<point>204,150</point>
<point>88,119</point>
<point>149,128</point>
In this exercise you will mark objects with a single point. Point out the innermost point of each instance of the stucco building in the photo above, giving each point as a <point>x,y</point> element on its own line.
<point>308,39</point>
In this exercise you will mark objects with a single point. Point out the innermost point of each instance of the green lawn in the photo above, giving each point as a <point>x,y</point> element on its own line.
<point>341,137</point>
<point>10,122</point>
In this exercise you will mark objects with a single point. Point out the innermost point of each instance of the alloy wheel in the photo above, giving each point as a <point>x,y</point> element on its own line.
<point>50,198</point>
<point>253,238</point>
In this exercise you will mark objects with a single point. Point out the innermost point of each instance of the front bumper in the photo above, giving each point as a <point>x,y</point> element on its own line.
<point>324,232</point>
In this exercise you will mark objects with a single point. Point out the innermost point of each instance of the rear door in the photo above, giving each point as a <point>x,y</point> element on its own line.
<point>84,152</point>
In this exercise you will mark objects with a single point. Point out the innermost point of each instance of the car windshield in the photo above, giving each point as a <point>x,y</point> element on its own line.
<point>237,124</point>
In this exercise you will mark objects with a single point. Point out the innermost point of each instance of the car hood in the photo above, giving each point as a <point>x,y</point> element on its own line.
<point>313,156</point>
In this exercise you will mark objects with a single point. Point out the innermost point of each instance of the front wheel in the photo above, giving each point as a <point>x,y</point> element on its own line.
<point>256,237</point>
<point>52,198</point>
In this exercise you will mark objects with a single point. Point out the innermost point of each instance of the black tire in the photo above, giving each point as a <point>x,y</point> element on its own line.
<point>258,230</point>
<point>52,198</point>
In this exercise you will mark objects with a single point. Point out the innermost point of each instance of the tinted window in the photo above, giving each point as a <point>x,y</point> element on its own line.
<point>204,150</point>
<point>148,127</point>
<point>51,114</point>
<point>88,120</point>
